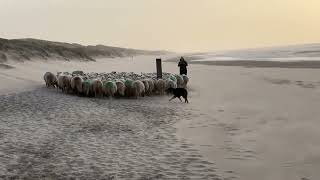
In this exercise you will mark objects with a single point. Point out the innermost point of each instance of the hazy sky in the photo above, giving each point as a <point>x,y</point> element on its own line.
<point>178,25</point>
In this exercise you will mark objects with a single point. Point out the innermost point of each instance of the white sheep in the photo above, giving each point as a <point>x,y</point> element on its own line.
<point>155,88</point>
<point>109,88</point>
<point>171,84</point>
<point>60,80</point>
<point>138,88</point>
<point>185,80</point>
<point>97,88</point>
<point>173,78</point>
<point>129,91</point>
<point>64,82</point>
<point>67,83</point>
<point>161,86</point>
<point>146,86</point>
<point>50,79</point>
<point>151,86</point>
<point>180,81</point>
<point>76,84</point>
<point>120,83</point>
<point>121,87</point>
<point>87,87</point>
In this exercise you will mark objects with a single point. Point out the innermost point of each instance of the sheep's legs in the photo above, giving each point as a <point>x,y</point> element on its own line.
<point>180,99</point>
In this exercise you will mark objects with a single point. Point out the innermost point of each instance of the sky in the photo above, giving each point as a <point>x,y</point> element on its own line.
<point>175,25</point>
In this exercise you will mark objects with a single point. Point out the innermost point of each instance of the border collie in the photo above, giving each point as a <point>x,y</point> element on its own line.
<point>177,93</point>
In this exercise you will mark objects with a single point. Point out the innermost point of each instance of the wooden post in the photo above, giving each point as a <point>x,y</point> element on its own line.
<point>159,68</point>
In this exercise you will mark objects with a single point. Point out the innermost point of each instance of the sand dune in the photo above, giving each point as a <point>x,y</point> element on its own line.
<point>28,49</point>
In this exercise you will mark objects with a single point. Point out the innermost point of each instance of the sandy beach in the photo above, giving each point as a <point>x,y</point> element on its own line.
<point>81,98</point>
<point>241,123</point>
<point>259,123</point>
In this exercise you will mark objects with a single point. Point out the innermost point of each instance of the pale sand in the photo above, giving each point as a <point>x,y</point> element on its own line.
<point>241,123</point>
<point>47,134</point>
<point>259,123</point>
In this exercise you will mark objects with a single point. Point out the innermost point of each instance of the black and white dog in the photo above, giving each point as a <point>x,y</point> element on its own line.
<point>177,93</point>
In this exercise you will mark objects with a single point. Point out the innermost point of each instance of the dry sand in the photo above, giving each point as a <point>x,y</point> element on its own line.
<point>259,123</point>
<point>47,134</point>
<point>241,123</point>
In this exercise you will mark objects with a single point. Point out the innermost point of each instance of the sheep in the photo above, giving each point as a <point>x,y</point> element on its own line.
<point>116,83</point>
<point>161,86</point>
<point>146,86</point>
<point>185,80</point>
<point>151,86</point>
<point>138,88</point>
<point>154,85</point>
<point>87,87</point>
<point>76,84</point>
<point>97,88</point>
<point>170,84</point>
<point>64,82</point>
<point>172,78</point>
<point>50,79</point>
<point>60,81</point>
<point>67,83</point>
<point>121,87</point>
<point>109,88</point>
<point>128,83</point>
<point>80,73</point>
<point>180,82</point>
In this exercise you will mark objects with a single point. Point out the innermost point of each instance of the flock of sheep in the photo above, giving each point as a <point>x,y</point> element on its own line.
<point>114,84</point>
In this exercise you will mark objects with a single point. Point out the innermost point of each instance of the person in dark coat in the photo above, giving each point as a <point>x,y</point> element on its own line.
<point>183,66</point>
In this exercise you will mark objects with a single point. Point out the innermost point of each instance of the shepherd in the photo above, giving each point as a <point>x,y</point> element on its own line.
<point>183,66</point>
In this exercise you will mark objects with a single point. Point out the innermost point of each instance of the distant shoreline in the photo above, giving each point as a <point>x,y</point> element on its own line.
<point>262,64</point>
<point>255,63</point>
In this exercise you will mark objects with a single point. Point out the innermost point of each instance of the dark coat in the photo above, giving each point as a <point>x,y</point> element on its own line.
<point>183,66</point>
